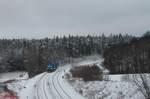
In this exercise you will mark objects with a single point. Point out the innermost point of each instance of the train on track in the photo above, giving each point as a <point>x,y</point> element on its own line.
<point>51,67</point>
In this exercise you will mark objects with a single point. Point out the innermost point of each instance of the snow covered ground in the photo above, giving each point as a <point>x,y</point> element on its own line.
<point>56,85</point>
<point>87,60</point>
<point>46,86</point>
<point>13,76</point>
<point>112,89</point>
<point>9,81</point>
<point>112,86</point>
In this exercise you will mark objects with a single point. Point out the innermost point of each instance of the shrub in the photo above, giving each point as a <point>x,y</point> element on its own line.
<point>87,72</point>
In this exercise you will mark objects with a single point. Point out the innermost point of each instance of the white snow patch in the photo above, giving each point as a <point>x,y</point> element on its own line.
<point>13,76</point>
<point>108,89</point>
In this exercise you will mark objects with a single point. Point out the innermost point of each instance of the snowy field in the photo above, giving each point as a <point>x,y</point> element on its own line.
<point>13,76</point>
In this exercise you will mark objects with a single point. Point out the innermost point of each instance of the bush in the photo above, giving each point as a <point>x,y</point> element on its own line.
<point>87,72</point>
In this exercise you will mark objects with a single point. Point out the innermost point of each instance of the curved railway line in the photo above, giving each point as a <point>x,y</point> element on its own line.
<point>53,78</point>
<point>43,83</point>
<point>38,86</point>
<point>61,87</point>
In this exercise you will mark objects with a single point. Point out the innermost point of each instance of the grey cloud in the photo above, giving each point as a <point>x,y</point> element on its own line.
<point>29,17</point>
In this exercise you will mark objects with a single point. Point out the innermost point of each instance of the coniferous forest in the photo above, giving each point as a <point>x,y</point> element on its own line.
<point>129,57</point>
<point>122,53</point>
<point>33,55</point>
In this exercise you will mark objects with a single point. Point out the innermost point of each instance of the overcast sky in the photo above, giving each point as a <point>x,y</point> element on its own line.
<point>41,18</point>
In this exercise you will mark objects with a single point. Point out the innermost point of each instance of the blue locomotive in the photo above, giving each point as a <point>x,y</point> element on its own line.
<point>51,67</point>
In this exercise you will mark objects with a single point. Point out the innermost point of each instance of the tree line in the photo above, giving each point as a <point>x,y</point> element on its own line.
<point>130,57</point>
<point>34,55</point>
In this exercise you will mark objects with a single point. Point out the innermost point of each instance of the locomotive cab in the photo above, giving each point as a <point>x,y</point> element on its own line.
<point>52,67</point>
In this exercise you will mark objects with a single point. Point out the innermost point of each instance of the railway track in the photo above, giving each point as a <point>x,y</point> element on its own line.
<point>61,87</point>
<point>45,85</point>
<point>38,86</point>
<point>42,82</point>
<point>55,86</point>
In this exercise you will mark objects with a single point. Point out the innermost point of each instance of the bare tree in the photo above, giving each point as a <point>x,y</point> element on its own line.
<point>142,81</point>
